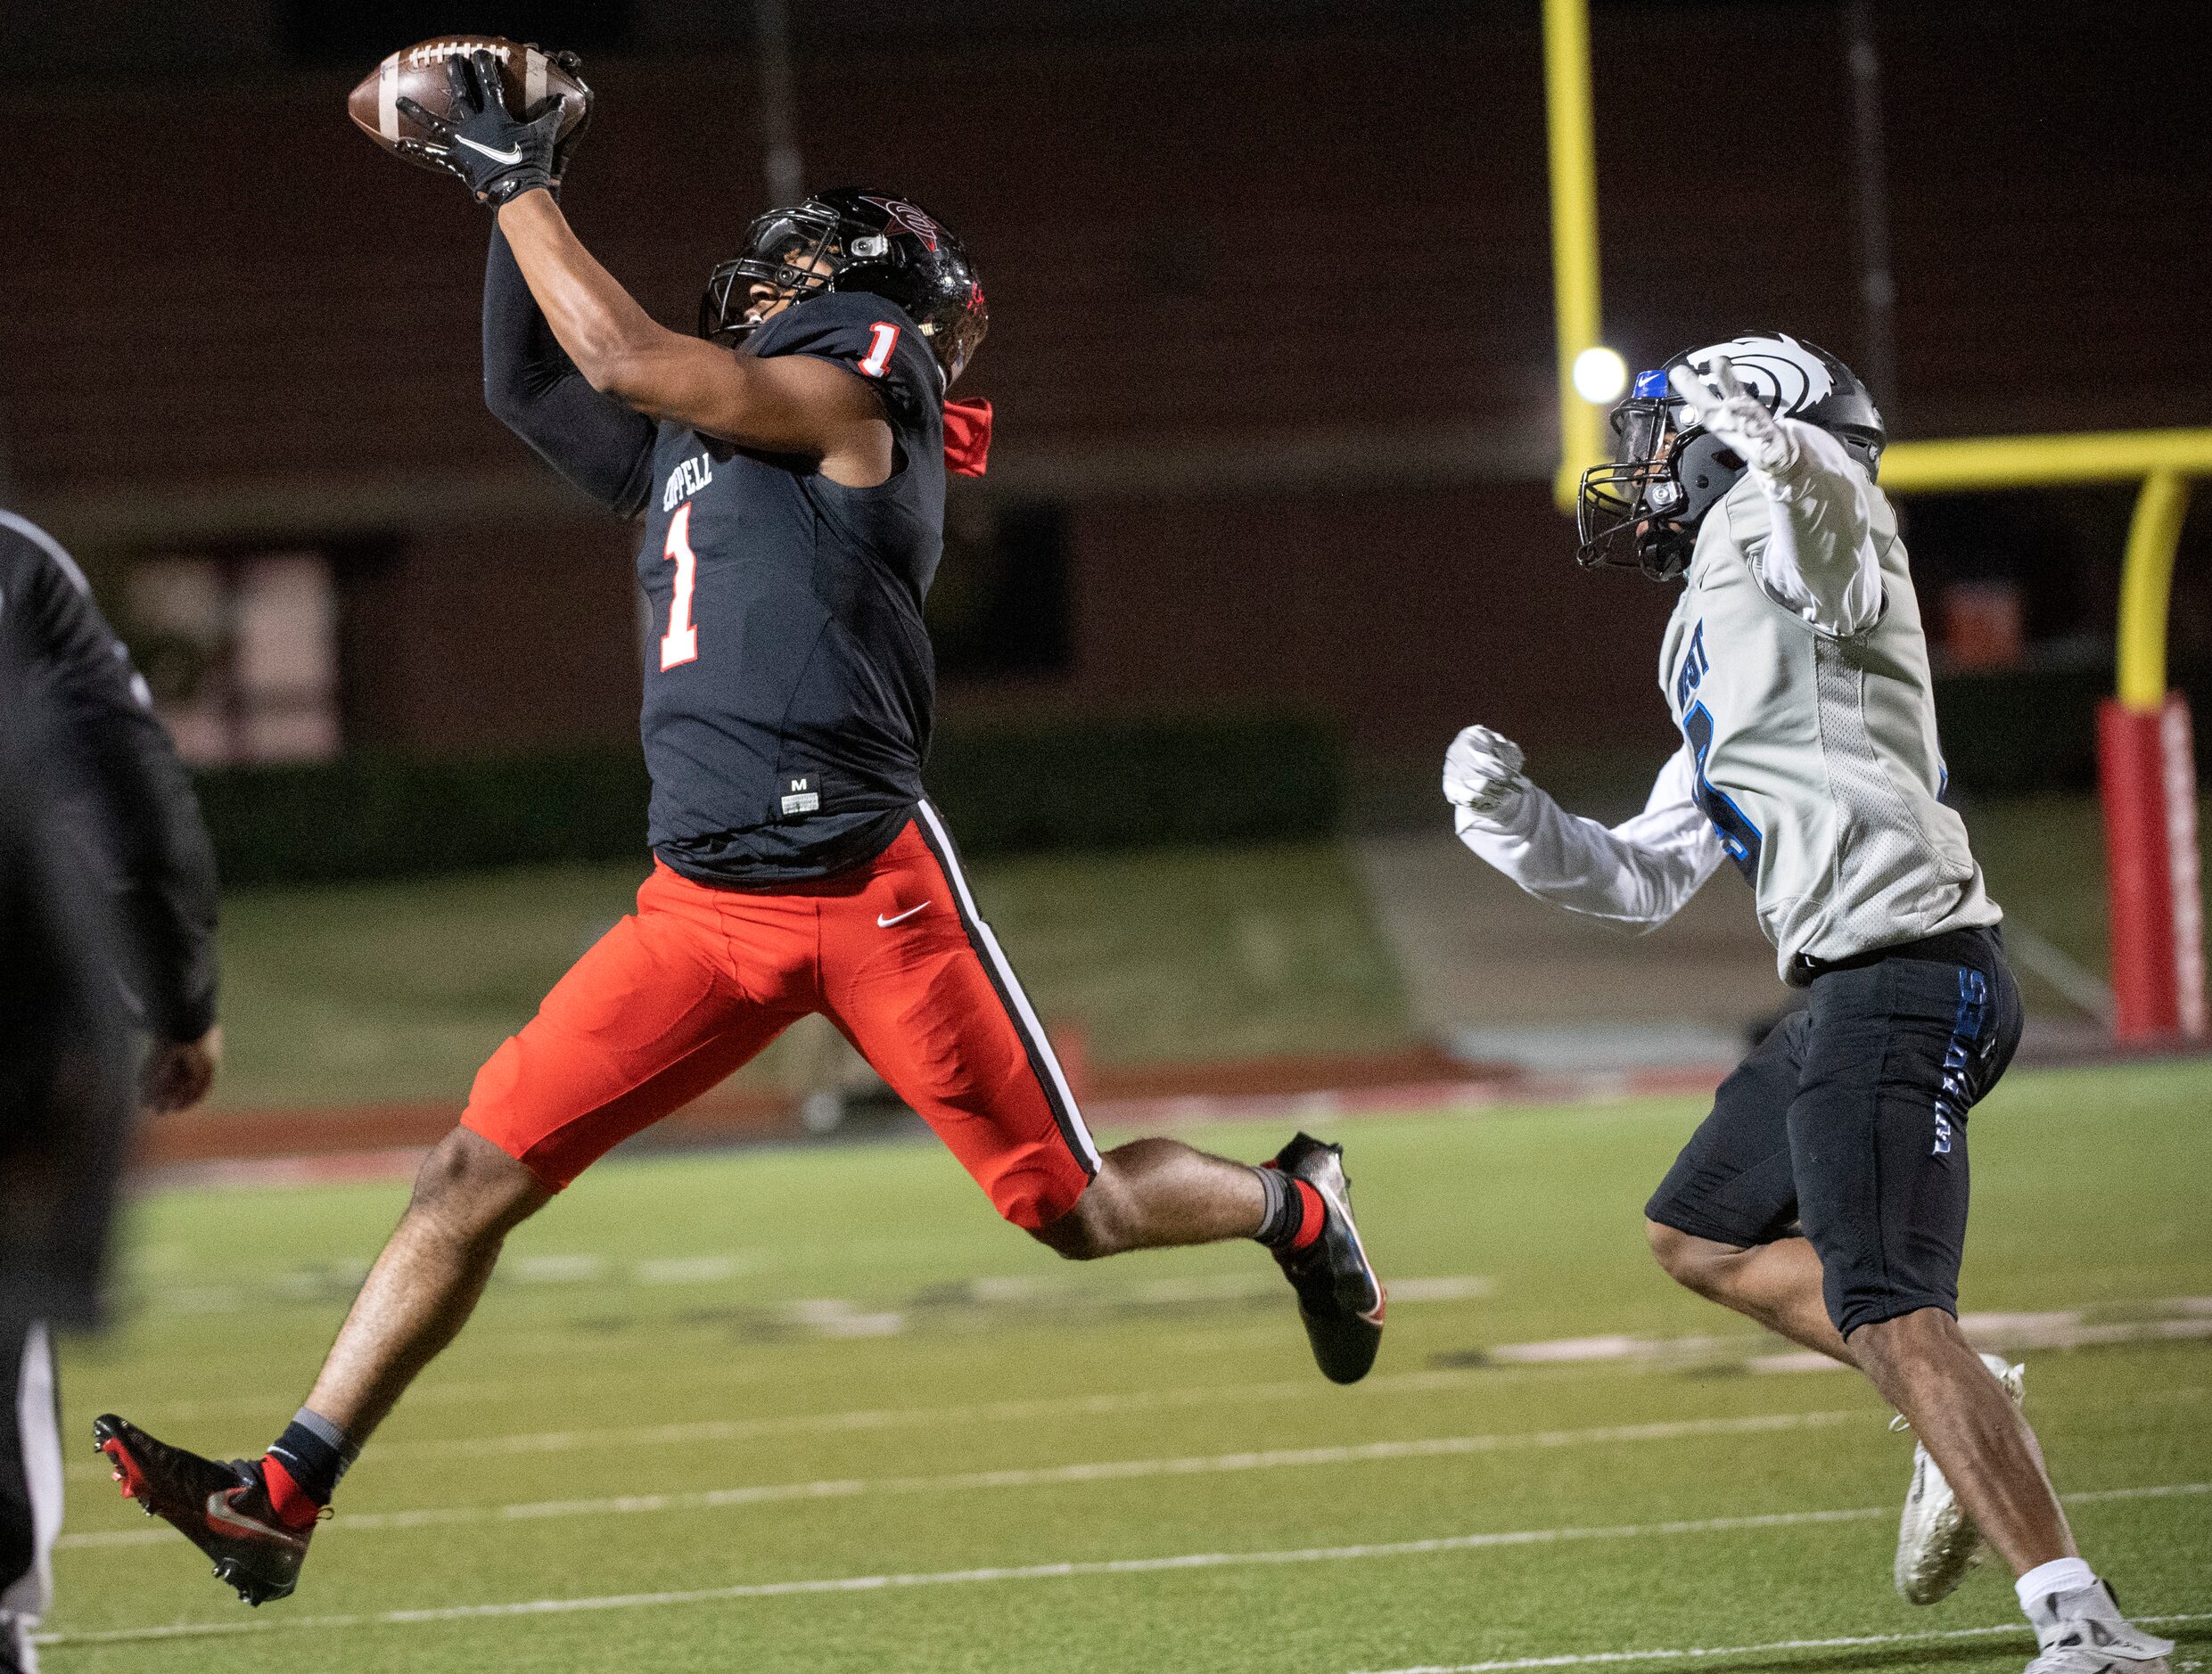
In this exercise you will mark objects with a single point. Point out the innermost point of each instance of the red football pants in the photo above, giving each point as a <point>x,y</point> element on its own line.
<point>696,982</point>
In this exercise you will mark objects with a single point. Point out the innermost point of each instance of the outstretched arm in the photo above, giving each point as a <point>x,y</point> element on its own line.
<point>787,403</point>
<point>1637,874</point>
<point>535,389</point>
<point>1819,561</point>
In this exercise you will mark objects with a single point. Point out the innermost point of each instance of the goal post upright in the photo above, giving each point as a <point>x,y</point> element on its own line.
<point>2146,767</point>
<point>2147,587</point>
<point>1573,149</point>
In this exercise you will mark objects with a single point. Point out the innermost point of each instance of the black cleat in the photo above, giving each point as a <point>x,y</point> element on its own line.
<point>223,1509</point>
<point>1339,1297</point>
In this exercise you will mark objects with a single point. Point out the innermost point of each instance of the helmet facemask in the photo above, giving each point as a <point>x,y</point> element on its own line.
<point>856,242</point>
<point>796,252</point>
<point>1635,513</point>
<point>1644,510</point>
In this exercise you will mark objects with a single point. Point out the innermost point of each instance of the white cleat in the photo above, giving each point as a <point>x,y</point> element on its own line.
<point>2082,1632</point>
<point>1937,1541</point>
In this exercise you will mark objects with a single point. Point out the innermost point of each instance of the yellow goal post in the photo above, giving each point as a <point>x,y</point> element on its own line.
<point>2162,460</point>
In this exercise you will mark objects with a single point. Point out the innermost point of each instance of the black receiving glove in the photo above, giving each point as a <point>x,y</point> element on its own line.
<point>498,154</point>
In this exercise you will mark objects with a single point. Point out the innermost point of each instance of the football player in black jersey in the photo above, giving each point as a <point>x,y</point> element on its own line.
<point>789,462</point>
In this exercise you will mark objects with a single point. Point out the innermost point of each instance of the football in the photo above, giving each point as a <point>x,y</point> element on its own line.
<point>418,72</point>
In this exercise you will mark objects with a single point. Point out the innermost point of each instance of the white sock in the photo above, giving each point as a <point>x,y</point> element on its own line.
<point>2060,1575</point>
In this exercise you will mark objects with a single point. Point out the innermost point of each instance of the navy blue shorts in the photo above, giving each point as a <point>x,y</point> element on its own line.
<point>1847,1126</point>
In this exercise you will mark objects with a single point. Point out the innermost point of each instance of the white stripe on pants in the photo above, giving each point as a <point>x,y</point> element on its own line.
<point>1024,1017</point>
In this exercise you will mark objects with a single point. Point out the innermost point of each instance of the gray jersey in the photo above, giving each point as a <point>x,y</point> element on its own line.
<point>1796,669</point>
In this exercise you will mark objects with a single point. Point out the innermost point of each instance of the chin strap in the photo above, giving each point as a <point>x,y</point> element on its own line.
<point>968,436</point>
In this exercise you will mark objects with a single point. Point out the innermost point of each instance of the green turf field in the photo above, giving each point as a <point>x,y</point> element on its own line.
<point>362,993</point>
<point>817,1410</point>
<point>377,992</point>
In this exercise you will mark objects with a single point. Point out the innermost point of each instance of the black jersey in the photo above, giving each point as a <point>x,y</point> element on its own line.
<point>789,680</point>
<point>110,782</point>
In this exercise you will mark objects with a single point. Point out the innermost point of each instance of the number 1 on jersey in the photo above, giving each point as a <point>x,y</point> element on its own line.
<point>883,337</point>
<point>681,643</point>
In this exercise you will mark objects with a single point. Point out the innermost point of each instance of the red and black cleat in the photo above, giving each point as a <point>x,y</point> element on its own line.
<point>223,1509</point>
<point>1340,1299</point>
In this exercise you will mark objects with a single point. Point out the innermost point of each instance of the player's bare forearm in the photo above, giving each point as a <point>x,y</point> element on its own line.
<point>605,333</point>
<point>795,404</point>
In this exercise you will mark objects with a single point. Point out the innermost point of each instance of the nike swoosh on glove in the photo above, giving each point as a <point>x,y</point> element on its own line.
<point>497,154</point>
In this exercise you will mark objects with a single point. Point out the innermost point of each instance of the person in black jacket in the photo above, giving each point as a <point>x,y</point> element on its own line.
<point>107,999</point>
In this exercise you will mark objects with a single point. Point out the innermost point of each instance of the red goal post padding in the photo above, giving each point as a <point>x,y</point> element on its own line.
<point>2147,768</point>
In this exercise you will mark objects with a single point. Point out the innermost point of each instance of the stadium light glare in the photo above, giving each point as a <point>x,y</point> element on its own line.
<point>1600,375</point>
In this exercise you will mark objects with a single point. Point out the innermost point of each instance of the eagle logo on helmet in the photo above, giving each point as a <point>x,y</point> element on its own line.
<point>907,216</point>
<point>1783,373</point>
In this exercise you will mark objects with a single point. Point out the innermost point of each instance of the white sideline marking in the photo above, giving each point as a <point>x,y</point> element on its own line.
<point>1841,1642</point>
<point>428,1394</point>
<point>557,1269</point>
<point>706,1269</point>
<point>1065,1570</point>
<point>1459,1287</point>
<point>2026,1330</point>
<point>1104,1471</point>
<point>327,1282</point>
<point>2188,1319</point>
<point>707,1429</point>
<point>719,1430</point>
<point>710,1430</point>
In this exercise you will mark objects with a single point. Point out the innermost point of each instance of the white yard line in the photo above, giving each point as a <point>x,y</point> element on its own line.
<point>1594,1658</point>
<point>2190,1317</point>
<point>709,1431</point>
<point>962,1416</point>
<point>1054,1475</point>
<point>485,1392</point>
<point>2186,1320</point>
<point>330,1283</point>
<point>1043,1571</point>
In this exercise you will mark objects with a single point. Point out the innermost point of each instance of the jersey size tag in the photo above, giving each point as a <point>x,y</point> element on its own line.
<point>802,794</point>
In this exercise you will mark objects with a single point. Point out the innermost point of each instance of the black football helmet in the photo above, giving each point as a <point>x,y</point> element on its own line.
<point>849,240</point>
<point>1643,509</point>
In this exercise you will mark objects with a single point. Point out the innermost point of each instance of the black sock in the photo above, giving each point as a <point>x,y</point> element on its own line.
<point>315,1453</point>
<point>1285,1213</point>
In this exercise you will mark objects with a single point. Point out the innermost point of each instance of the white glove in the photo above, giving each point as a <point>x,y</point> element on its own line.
<point>1732,412</point>
<point>1483,774</point>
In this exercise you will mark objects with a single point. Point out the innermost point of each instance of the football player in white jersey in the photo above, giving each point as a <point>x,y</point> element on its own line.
<point>1826,1194</point>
